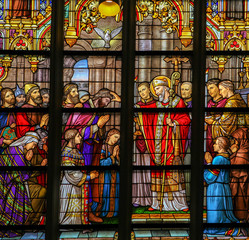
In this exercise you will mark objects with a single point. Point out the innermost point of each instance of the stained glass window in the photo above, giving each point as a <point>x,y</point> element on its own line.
<point>124,119</point>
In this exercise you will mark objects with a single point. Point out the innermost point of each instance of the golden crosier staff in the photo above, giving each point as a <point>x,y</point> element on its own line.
<point>174,76</point>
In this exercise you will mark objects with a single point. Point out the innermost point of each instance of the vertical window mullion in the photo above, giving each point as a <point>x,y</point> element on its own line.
<point>55,120</point>
<point>126,141</point>
<point>198,96</point>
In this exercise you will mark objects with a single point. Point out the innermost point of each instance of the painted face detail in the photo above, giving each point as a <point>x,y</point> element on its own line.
<point>186,91</point>
<point>213,90</point>
<point>223,91</point>
<point>114,139</point>
<point>144,92</point>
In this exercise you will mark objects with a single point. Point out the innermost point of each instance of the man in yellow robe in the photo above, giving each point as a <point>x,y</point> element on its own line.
<point>228,122</point>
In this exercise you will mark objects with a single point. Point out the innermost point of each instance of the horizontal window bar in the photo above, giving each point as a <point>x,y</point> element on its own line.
<point>227,53</point>
<point>92,53</point>
<point>24,52</point>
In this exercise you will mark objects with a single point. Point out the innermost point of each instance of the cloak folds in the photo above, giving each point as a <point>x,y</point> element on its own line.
<point>230,121</point>
<point>154,129</point>
<point>219,199</point>
<point>240,177</point>
<point>109,181</point>
<point>15,205</point>
<point>73,190</point>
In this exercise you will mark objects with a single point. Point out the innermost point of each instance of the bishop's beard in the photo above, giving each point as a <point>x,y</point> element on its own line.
<point>161,96</point>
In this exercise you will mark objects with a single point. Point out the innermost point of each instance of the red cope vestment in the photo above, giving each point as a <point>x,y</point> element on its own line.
<point>154,129</point>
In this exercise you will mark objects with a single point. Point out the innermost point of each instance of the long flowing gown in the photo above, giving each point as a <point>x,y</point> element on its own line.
<point>219,199</point>
<point>15,205</point>
<point>240,177</point>
<point>166,146</point>
<point>141,191</point>
<point>109,187</point>
<point>73,190</point>
<point>86,124</point>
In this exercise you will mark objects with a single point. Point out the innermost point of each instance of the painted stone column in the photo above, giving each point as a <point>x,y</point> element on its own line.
<point>156,46</point>
<point>166,44</point>
<point>144,44</point>
<point>96,73</point>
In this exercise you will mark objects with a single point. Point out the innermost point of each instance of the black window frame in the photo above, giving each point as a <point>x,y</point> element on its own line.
<point>57,53</point>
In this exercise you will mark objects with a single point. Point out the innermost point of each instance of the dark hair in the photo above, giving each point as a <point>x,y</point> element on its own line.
<point>214,81</point>
<point>44,91</point>
<point>103,93</point>
<point>4,92</point>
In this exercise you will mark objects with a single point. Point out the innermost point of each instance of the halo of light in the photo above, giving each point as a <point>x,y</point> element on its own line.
<point>109,8</point>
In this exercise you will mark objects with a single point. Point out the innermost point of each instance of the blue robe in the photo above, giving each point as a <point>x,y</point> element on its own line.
<point>109,194</point>
<point>219,199</point>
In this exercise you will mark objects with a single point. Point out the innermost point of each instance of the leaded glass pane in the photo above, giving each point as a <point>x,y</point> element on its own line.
<point>93,25</point>
<point>94,78</point>
<point>25,25</point>
<point>226,25</point>
<point>164,25</point>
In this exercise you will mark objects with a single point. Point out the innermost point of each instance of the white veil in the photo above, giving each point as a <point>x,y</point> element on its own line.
<point>27,138</point>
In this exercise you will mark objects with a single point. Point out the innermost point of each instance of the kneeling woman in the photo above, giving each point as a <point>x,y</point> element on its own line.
<point>109,179</point>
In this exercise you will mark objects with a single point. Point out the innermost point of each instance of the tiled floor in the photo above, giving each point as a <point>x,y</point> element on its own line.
<point>110,235</point>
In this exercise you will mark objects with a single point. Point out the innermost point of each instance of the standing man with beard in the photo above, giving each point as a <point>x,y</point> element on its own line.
<point>20,96</point>
<point>228,122</point>
<point>71,95</point>
<point>186,94</point>
<point>216,101</point>
<point>8,98</point>
<point>70,99</point>
<point>92,129</point>
<point>165,136</point>
<point>7,120</point>
<point>45,97</point>
<point>31,121</point>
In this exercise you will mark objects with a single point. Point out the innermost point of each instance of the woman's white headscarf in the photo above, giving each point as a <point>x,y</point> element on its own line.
<point>27,138</point>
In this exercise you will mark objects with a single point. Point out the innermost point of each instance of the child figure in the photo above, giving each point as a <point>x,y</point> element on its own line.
<point>219,199</point>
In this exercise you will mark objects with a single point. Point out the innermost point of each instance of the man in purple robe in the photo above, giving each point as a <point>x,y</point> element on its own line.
<point>91,128</point>
<point>15,205</point>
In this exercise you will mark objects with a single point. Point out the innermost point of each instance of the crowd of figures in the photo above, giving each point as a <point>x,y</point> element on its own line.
<point>162,138</point>
<point>85,196</point>
<point>23,143</point>
<point>165,139</point>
